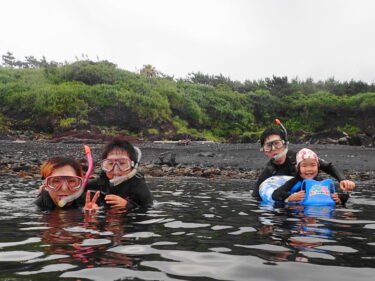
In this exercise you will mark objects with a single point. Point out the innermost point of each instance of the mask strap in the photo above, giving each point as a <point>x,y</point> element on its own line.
<point>139,156</point>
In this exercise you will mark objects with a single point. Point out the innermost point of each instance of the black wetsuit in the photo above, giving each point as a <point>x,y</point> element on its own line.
<point>282,193</point>
<point>45,202</point>
<point>288,169</point>
<point>134,190</point>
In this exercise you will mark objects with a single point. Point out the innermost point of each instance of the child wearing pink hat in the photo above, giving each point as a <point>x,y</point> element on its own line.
<point>307,165</point>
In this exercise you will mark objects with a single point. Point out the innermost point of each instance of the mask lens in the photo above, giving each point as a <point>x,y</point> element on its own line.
<point>74,182</point>
<point>107,165</point>
<point>267,147</point>
<point>123,164</point>
<point>276,144</point>
<point>55,183</point>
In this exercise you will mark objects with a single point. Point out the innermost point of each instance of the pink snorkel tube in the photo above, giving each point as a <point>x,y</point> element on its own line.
<point>89,171</point>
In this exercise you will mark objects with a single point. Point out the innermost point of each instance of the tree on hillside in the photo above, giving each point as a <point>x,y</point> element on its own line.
<point>216,80</point>
<point>149,71</point>
<point>32,62</point>
<point>278,86</point>
<point>351,88</point>
<point>206,79</point>
<point>9,60</point>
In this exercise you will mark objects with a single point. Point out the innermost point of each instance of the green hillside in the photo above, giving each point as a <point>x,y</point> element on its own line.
<point>49,97</point>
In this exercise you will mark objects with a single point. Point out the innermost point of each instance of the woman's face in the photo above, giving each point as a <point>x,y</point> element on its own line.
<point>120,155</point>
<point>308,169</point>
<point>57,195</point>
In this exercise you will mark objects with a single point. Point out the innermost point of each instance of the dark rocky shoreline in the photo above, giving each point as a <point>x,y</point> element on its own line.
<point>179,159</point>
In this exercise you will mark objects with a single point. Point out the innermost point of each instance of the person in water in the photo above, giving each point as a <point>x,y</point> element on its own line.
<point>120,182</point>
<point>307,165</point>
<point>274,145</point>
<point>62,177</point>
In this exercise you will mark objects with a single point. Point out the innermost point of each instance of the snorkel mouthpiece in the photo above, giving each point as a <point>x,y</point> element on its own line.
<point>278,156</point>
<point>89,171</point>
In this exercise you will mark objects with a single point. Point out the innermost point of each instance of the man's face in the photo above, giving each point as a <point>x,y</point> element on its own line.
<point>274,145</point>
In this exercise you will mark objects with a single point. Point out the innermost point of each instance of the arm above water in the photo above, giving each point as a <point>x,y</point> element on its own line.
<point>283,192</point>
<point>329,168</point>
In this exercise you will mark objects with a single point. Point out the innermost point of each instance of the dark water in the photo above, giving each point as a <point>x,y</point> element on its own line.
<point>198,230</point>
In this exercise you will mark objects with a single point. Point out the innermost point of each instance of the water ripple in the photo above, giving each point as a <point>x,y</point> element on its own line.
<point>19,255</point>
<point>49,268</point>
<point>179,224</point>
<point>27,241</point>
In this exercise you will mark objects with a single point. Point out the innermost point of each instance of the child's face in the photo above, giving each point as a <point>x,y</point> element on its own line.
<point>57,195</point>
<point>117,154</point>
<point>308,169</point>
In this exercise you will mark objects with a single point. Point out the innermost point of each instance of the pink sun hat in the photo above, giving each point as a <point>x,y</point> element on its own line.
<point>304,154</point>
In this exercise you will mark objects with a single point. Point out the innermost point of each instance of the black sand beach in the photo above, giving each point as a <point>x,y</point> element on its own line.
<point>196,159</point>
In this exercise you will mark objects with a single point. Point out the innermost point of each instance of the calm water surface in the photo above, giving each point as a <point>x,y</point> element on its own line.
<point>198,230</point>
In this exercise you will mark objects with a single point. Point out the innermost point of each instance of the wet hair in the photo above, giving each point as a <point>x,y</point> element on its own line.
<point>121,144</point>
<point>271,131</point>
<point>53,163</point>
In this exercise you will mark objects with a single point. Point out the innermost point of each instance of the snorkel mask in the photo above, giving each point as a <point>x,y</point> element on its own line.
<point>89,171</point>
<point>282,154</point>
<point>118,180</point>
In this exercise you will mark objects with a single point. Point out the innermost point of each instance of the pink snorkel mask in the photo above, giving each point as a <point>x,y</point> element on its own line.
<point>89,171</point>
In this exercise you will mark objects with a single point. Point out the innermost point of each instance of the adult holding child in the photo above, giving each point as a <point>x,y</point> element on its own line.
<point>307,165</point>
<point>282,161</point>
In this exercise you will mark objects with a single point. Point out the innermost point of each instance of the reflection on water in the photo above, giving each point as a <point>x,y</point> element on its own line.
<point>197,230</point>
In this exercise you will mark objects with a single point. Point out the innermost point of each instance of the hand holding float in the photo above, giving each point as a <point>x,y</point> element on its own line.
<point>89,171</point>
<point>295,197</point>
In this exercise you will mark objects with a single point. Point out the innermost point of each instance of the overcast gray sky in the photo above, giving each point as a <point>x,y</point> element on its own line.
<point>242,39</point>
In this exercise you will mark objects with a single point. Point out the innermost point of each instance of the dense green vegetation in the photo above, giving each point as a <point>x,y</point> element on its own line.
<point>51,97</point>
